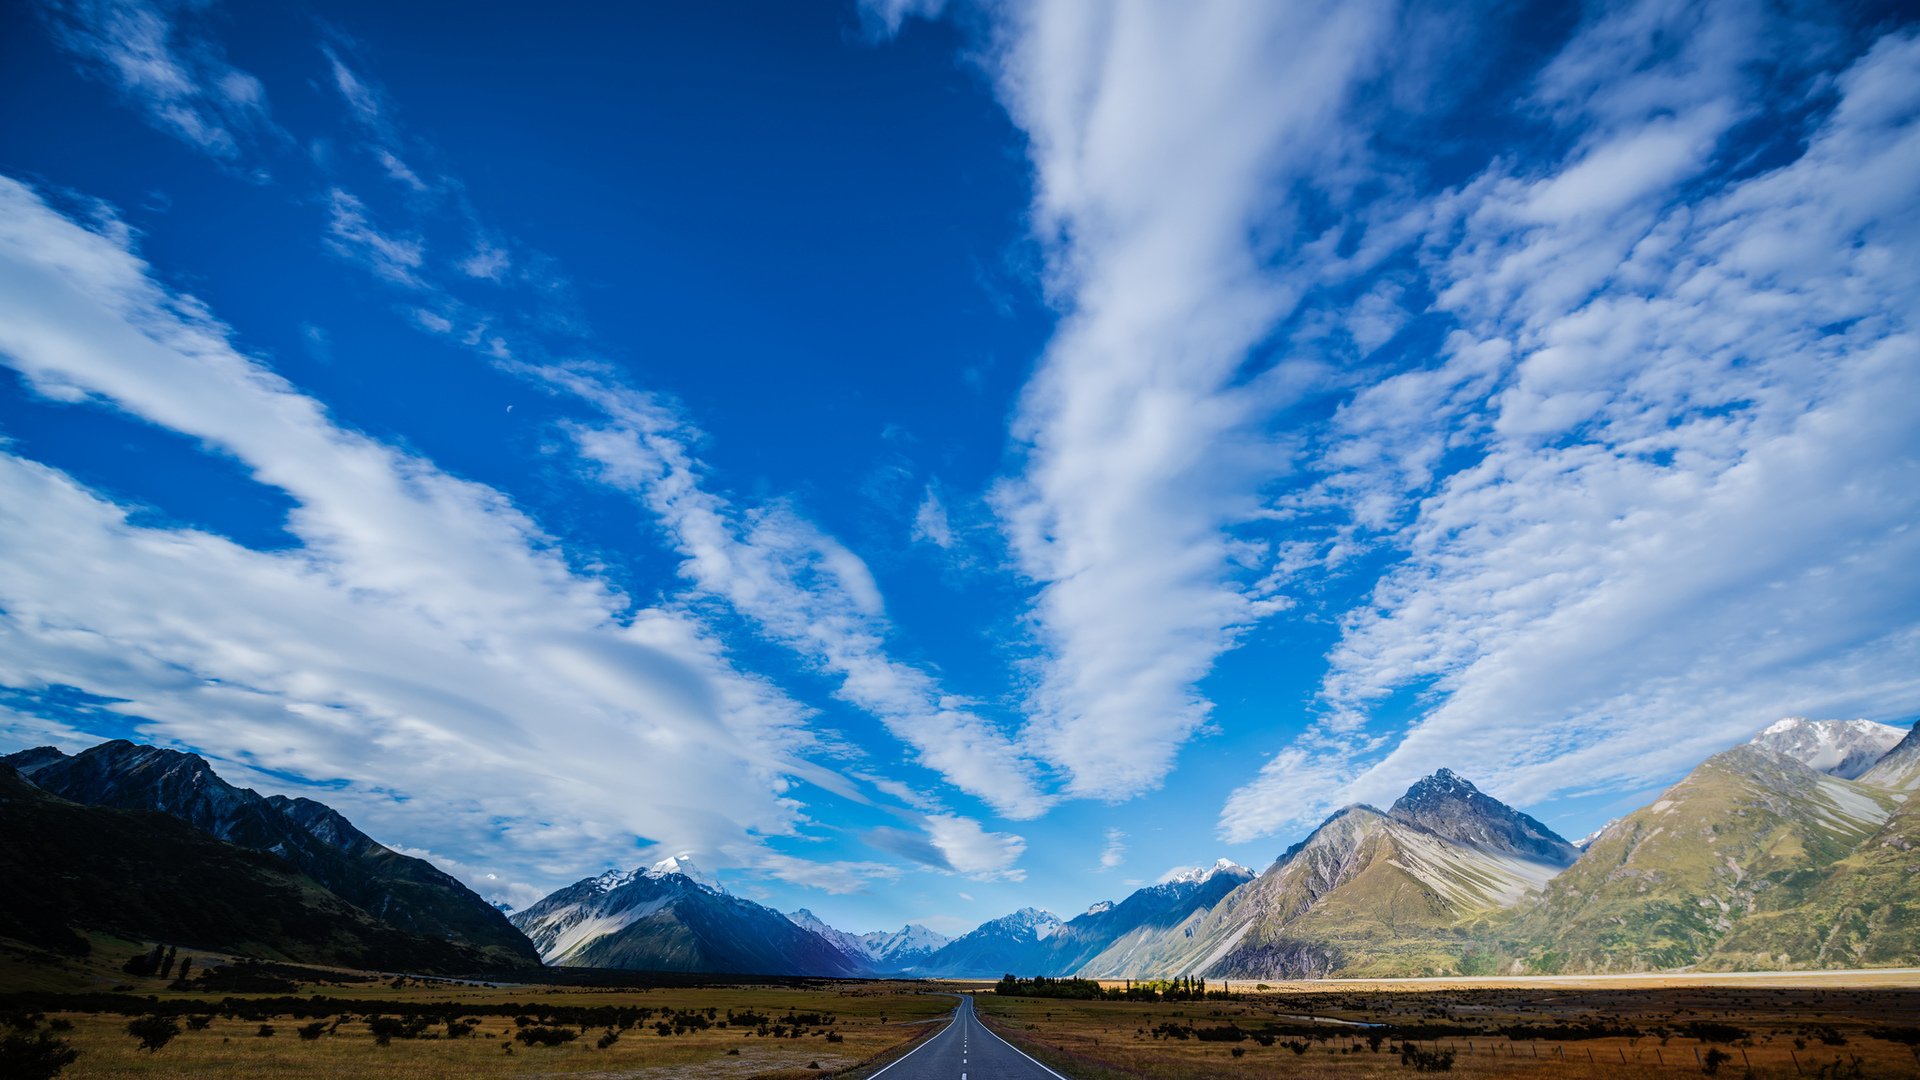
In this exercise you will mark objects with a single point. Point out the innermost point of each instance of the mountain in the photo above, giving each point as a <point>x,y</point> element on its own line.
<point>148,876</point>
<point>903,948</point>
<point>1453,809</point>
<point>1368,893</point>
<point>1103,942</point>
<point>409,894</point>
<point>1010,943</point>
<point>1843,748</point>
<point>1749,828</point>
<point>1900,768</point>
<point>1863,911</point>
<point>664,918</point>
<point>880,950</point>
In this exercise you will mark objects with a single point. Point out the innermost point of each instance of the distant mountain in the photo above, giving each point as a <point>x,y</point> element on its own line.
<point>1103,942</point>
<point>1900,768</point>
<point>1011,943</point>
<point>1749,828</point>
<point>901,949</point>
<point>148,876</point>
<point>1368,893</point>
<point>1843,748</point>
<point>409,894</point>
<point>879,950</point>
<point>663,918</point>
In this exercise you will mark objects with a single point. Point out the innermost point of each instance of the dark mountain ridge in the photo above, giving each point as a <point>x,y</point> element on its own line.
<point>409,894</point>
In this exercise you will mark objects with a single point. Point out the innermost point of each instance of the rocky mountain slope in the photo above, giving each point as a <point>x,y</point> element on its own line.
<point>410,894</point>
<point>1367,893</point>
<point>663,918</point>
<point>1900,768</point>
<point>1843,748</point>
<point>146,875</point>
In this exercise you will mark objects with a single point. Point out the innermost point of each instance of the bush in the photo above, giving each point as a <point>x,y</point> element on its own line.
<point>1715,1058</point>
<point>153,1032</point>
<point>39,1056</point>
<point>310,1032</point>
<point>265,1032</point>
<point>546,1036</point>
<point>1426,1060</point>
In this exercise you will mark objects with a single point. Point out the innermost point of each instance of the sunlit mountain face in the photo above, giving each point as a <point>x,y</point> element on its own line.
<point>813,479</point>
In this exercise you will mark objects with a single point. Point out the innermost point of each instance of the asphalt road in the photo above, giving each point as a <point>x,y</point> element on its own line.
<point>966,1050</point>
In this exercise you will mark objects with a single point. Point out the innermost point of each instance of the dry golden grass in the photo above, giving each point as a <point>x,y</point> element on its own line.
<point>871,1020</point>
<point>1110,1040</point>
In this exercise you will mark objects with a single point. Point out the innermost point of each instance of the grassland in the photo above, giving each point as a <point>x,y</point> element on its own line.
<point>1572,1028</point>
<point>794,1029</point>
<point>1789,1025</point>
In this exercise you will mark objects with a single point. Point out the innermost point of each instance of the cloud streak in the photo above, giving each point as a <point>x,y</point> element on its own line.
<point>1683,502</point>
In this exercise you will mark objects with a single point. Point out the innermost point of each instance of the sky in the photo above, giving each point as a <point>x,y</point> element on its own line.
<point>928,459</point>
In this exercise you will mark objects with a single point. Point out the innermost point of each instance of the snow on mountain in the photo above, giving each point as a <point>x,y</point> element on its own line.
<point>1900,768</point>
<point>1100,908</point>
<point>904,947</point>
<point>1586,841</point>
<point>1843,748</point>
<point>1199,875</point>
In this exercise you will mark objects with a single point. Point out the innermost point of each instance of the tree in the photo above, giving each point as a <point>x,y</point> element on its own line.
<point>186,966</point>
<point>38,1056</point>
<point>166,964</point>
<point>153,1032</point>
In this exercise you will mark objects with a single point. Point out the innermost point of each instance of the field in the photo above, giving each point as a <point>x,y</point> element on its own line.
<point>1858,1025</point>
<point>798,1028</point>
<point>248,1020</point>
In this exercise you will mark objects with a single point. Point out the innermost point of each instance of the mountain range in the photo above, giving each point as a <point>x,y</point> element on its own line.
<point>1798,849</point>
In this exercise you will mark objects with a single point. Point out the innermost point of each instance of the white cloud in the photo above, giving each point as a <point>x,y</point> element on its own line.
<point>425,640</point>
<point>1160,136</point>
<point>352,235</point>
<point>179,78</point>
<point>930,521</point>
<point>973,851</point>
<point>488,261</point>
<point>808,592</point>
<point>1693,479</point>
<point>1115,852</point>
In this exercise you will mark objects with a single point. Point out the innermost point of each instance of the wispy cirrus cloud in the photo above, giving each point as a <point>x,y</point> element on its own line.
<point>424,636</point>
<point>156,53</point>
<point>1681,506</point>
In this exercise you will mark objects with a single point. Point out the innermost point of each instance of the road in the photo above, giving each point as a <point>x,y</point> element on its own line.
<point>966,1050</point>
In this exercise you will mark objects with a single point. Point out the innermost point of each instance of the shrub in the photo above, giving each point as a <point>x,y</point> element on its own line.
<point>153,1032</point>
<point>310,1032</point>
<point>546,1036</point>
<point>265,1032</point>
<point>1715,1058</point>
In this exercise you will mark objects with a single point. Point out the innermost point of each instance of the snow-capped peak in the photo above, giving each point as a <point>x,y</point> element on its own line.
<point>684,865</point>
<point>1101,908</point>
<point>1843,748</point>
<point>613,879</point>
<point>1197,875</point>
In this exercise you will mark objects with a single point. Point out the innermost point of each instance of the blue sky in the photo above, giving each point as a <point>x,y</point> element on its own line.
<point>931,459</point>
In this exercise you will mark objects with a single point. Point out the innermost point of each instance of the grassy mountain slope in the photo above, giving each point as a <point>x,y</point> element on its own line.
<point>1864,912</point>
<point>1661,887</point>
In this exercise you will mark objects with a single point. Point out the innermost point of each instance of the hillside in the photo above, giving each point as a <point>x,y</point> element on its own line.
<point>1661,887</point>
<point>148,876</point>
<point>410,894</point>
